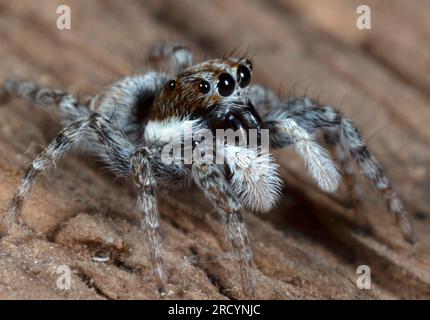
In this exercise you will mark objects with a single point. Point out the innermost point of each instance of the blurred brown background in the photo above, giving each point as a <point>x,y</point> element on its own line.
<point>310,246</point>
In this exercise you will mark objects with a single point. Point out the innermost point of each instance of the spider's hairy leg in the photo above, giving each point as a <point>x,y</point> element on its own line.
<point>68,104</point>
<point>210,179</point>
<point>350,138</point>
<point>180,57</point>
<point>286,131</point>
<point>341,154</point>
<point>117,155</point>
<point>266,100</point>
<point>147,209</point>
<point>61,144</point>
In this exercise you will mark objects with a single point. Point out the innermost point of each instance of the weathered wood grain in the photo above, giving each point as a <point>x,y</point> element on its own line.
<point>310,246</point>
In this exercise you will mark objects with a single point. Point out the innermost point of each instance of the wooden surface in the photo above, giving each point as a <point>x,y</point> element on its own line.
<point>308,247</point>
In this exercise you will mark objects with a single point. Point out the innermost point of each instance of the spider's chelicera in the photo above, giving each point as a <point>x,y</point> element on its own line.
<point>131,122</point>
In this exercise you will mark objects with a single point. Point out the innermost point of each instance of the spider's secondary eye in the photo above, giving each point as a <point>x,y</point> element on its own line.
<point>225,84</point>
<point>171,85</point>
<point>204,86</point>
<point>243,76</point>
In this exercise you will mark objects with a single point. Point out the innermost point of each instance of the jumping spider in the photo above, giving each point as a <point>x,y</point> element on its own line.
<point>130,121</point>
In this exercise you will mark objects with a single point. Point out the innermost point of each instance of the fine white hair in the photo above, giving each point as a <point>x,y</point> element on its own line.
<point>255,178</point>
<point>319,164</point>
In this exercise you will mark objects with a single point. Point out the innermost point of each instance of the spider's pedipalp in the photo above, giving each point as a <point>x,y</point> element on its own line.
<point>254,177</point>
<point>319,164</point>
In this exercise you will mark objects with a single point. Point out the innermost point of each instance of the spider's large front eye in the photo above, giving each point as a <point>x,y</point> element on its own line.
<point>243,76</point>
<point>225,84</point>
<point>204,86</point>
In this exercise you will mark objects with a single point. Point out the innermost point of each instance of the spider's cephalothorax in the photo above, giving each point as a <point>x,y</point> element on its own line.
<point>215,92</point>
<point>128,124</point>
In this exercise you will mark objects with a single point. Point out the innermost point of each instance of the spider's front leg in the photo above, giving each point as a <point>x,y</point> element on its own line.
<point>265,100</point>
<point>311,117</point>
<point>285,131</point>
<point>211,180</point>
<point>333,138</point>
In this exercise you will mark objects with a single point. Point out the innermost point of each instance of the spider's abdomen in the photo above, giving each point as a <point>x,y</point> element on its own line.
<point>130,101</point>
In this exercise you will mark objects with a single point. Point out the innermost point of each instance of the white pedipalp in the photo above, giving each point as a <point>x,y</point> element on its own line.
<point>255,179</point>
<point>319,164</point>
